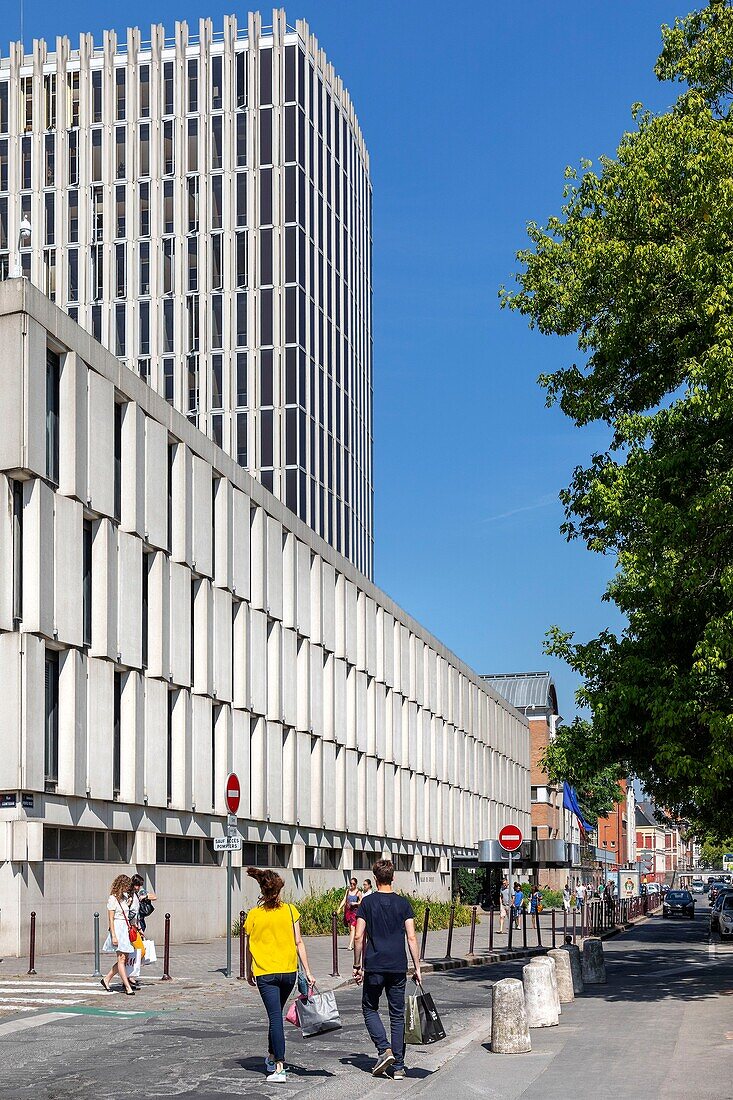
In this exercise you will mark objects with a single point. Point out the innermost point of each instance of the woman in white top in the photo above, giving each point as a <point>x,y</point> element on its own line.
<point>118,940</point>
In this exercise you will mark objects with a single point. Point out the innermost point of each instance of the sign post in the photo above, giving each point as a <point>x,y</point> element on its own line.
<point>510,838</point>
<point>233,794</point>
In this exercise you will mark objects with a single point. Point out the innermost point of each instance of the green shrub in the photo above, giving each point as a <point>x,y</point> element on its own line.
<point>552,899</point>
<point>469,884</point>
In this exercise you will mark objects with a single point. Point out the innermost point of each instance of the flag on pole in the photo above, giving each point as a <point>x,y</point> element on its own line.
<point>570,802</point>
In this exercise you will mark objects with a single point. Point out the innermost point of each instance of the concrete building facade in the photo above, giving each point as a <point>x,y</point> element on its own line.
<point>201,204</point>
<point>164,619</point>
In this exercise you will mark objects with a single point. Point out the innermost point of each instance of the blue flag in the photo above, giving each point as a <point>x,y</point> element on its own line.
<point>570,802</point>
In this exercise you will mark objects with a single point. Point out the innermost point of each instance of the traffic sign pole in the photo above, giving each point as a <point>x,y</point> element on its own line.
<point>232,796</point>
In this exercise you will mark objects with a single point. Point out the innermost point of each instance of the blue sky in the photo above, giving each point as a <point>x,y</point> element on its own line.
<point>470,120</point>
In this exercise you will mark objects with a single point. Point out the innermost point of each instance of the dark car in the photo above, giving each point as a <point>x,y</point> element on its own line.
<point>678,903</point>
<point>716,889</point>
<point>726,892</point>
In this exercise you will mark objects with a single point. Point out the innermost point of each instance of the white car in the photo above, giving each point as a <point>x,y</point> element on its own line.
<point>698,886</point>
<point>725,917</point>
<point>653,888</point>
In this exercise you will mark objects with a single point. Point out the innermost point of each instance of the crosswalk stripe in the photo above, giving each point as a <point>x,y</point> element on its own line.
<point>10,982</point>
<point>59,990</point>
<point>40,1001</point>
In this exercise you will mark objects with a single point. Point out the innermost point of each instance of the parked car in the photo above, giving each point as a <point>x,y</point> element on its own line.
<point>653,888</point>
<point>725,914</point>
<point>722,897</point>
<point>698,886</point>
<point>716,888</point>
<point>678,903</point>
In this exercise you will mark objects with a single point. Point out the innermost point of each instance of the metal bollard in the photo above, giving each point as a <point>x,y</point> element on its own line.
<point>242,948</point>
<point>575,922</point>
<point>166,977</point>
<point>524,928</point>
<point>335,945</point>
<point>554,930</point>
<point>424,942</point>
<point>32,953</point>
<point>97,972</point>
<point>538,928</point>
<point>491,928</point>
<point>511,927</point>
<point>451,920</point>
<point>472,941</point>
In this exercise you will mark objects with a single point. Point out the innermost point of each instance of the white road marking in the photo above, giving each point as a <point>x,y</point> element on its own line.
<point>12,1026</point>
<point>14,990</point>
<point>32,984</point>
<point>9,1002</point>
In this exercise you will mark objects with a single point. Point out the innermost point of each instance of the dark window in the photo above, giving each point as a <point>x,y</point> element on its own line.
<point>266,442</point>
<point>266,257</point>
<point>242,379</point>
<point>120,95</point>
<point>241,185</point>
<point>241,140</point>
<point>168,88</point>
<point>242,439</point>
<point>240,63</point>
<point>265,77</point>
<point>53,376</point>
<point>144,278</point>
<point>266,197</point>
<point>193,86</point>
<point>193,145</point>
<point>144,91</point>
<point>241,320</point>
<point>326,858</point>
<point>216,141</point>
<point>87,583</point>
<point>73,157</point>
<point>4,106</point>
<point>183,849</point>
<point>85,845</point>
<point>430,863</point>
<point>96,95</point>
<point>144,335</point>
<point>266,137</point>
<point>51,756</point>
<point>117,737</point>
<point>266,320</point>
<point>217,92</point>
<point>144,209</point>
<point>17,491</point>
<point>216,321</point>
<point>266,380</point>
<point>96,155</point>
<point>216,381</point>
<point>290,59</point>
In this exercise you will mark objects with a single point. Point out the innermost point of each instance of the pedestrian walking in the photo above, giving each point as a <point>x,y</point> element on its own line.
<point>518,903</point>
<point>566,898</point>
<point>366,888</point>
<point>535,904</point>
<point>505,903</point>
<point>384,920</point>
<point>141,906</point>
<point>274,945</point>
<point>350,902</point>
<point>580,892</point>
<point>118,937</point>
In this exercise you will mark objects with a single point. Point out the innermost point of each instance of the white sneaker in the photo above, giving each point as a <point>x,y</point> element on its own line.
<point>277,1077</point>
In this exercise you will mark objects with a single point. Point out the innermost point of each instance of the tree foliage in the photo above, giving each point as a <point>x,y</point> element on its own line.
<point>567,757</point>
<point>639,266</point>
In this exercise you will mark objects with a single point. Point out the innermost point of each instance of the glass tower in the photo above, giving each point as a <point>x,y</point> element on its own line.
<point>202,205</point>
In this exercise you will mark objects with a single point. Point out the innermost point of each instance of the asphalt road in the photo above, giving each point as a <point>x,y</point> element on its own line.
<point>661,1028</point>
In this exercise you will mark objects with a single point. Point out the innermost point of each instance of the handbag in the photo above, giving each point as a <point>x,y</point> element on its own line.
<point>317,1013</point>
<point>146,907</point>
<point>150,954</point>
<point>422,1022</point>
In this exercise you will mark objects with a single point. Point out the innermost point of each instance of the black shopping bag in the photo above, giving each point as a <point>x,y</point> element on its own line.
<point>430,1028</point>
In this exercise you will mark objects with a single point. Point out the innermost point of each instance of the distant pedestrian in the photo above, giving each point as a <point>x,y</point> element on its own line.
<point>350,902</point>
<point>580,894</point>
<point>535,905</point>
<point>118,937</point>
<point>138,914</point>
<point>505,903</point>
<point>366,888</point>
<point>385,920</point>
<point>518,903</point>
<point>566,898</point>
<point>274,945</point>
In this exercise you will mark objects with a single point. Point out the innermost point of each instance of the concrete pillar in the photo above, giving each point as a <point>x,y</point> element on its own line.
<point>576,966</point>
<point>563,974</point>
<point>539,996</point>
<point>594,968</point>
<point>509,1027</point>
<point>546,961</point>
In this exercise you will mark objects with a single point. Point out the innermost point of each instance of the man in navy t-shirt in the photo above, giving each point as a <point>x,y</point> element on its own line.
<point>384,919</point>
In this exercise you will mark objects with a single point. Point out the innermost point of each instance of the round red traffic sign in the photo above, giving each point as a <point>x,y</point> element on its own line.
<point>234,793</point>
<point>510,838</point>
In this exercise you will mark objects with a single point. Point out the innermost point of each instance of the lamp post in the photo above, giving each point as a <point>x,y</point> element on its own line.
<point>24,237</point>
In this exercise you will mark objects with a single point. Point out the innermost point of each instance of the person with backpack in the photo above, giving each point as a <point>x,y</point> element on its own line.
<point>384,921</point>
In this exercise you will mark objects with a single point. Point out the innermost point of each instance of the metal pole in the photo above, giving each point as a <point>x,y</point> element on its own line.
<point>491,927</point>
<point>335,945</point>
<point>575,921</point>
<point>425,923</point>
<point>511,925</point>
<point>524,927</point>
<point>554,931</point>
<point>167,949</point>
<point>97,972</point>
<point>472,941</point>
<point>242,952</point>
<point>229,915</point>
<point>451,920</point>
<point>537,925</point>
<point>32,959</point>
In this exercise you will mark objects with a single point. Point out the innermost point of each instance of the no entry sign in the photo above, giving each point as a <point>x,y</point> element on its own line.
<point>234,792</point>
<point>510,838</point>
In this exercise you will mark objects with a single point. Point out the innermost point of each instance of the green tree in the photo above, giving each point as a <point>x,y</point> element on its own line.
<point>639,266</point>
<point>712,852</point>
<point>567,757</point>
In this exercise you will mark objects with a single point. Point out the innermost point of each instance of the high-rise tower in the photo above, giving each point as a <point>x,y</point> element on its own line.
<point>202,205</point>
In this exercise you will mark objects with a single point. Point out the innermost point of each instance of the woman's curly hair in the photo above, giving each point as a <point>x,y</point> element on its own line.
<point>121,885</point>
<point>270,886</point>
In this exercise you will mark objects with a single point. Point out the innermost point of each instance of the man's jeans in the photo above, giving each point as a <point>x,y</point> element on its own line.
<point>275,990</point>
<point>375,983</point>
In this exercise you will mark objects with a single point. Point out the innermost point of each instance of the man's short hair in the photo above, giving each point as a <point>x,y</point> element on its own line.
<point>383,871</point>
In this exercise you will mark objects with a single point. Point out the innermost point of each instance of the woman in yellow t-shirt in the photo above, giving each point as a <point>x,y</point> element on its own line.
<point>274,945</point>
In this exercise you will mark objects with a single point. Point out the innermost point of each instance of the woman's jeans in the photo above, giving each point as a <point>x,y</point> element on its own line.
<point>275,990</point>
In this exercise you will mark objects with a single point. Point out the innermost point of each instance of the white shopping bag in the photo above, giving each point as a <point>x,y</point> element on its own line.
<point>150,952</point>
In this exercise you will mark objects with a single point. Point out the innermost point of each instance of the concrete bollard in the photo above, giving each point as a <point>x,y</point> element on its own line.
<point>539,996</point>
<point>563,974</point>
<point>549,964</point>
<point>509,1028</point>
<point>594,968</point>
<point>576,966</point>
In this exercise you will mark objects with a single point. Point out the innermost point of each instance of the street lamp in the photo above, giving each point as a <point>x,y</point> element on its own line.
<point>24,237</point>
